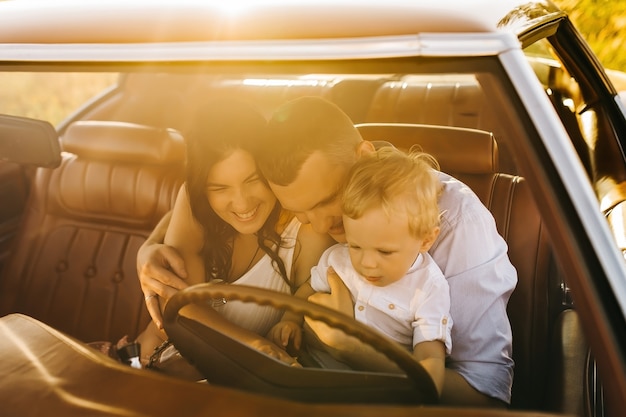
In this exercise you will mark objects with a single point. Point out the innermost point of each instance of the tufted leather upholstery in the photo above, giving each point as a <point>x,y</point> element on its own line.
<point>74,265</point>
<point>468,154</point>
<point>165,100</point>
<point>450,100</point>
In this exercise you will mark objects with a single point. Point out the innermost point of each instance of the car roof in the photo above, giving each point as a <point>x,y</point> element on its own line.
<point>114,21</point>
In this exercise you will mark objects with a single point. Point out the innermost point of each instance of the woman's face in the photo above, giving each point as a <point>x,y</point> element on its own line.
<point>237,193</point>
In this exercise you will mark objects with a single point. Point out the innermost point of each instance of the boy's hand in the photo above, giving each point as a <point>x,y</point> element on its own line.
<point>271,349</point>
<point>339,298</point>
<point>288,335</point>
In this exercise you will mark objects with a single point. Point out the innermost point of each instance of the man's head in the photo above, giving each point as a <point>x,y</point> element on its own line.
<point>310,146</point>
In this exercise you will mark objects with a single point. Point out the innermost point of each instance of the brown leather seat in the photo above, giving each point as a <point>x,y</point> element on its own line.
<point>165,100</point>
<point>451,100</point>
<point>472,156</point>
<point>74,264</point>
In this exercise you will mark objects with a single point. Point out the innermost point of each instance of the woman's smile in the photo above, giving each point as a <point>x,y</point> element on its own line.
<point>237,193</point>
<point>247,216</point>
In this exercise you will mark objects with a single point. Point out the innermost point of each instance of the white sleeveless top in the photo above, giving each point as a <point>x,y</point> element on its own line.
<point>253,317</point>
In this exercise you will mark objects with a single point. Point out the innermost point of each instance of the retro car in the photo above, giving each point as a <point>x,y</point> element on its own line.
<point>95,100</point>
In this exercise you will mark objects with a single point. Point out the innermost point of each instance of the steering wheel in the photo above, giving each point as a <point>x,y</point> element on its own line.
<point>257,371</point>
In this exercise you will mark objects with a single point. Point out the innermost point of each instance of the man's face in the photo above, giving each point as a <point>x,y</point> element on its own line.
<point>314,195</point>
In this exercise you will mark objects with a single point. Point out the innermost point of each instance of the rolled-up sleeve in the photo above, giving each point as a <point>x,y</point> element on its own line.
<point>432,314</point>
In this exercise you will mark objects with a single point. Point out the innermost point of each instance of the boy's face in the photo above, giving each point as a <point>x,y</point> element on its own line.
<point>381,249</point>
<point>314,196</point>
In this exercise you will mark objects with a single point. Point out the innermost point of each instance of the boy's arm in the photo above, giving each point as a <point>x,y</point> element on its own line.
<point>288,331</point>
<point>304,292</point>
<point>341,346</point>
<point>311,246</point>
<point>432,356</point>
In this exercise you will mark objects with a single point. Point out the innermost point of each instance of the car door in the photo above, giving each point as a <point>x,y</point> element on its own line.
<point>589,109</point>
<point>25,144</point>
<point>14,180</point>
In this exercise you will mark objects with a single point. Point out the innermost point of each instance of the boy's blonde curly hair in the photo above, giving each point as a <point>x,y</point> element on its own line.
<point>395,180</point>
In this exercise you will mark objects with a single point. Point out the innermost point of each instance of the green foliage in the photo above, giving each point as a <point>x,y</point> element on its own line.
<point>603,24</point>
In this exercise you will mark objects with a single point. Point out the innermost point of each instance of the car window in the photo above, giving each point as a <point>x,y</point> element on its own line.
<point>50,96</point>
<point>588,108</point>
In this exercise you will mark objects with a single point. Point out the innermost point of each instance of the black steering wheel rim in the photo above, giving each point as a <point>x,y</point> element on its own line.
<point>202,293</point>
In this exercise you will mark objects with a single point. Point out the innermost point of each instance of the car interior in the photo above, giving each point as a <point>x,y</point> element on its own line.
<point>73,266</point>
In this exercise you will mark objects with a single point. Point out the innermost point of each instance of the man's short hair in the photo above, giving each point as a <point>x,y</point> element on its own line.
<point>300,128</point>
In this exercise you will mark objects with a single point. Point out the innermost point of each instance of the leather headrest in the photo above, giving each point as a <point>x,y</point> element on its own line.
<point>458,150</point>
<point>124,142</point>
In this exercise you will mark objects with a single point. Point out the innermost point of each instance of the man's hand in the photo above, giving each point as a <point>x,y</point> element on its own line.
<point>161,272</point>
<point>288,335</point>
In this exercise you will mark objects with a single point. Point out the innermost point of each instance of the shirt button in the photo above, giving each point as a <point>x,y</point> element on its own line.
<point>444,321</point>
<point>361,308</point>
<point>391,306</point>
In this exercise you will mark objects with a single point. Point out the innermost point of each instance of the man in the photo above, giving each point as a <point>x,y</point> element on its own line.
<point>311,146</point>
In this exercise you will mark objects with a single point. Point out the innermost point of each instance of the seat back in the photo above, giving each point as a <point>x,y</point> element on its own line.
<point>168,100</point>
<point>471,156</point>
<point>451,100</point>
<point>74,264</point>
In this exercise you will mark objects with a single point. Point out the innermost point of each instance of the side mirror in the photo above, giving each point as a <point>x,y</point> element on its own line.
<point>29,141</point>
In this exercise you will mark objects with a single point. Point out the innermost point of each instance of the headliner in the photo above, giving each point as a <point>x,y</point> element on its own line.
<point>115,21</point>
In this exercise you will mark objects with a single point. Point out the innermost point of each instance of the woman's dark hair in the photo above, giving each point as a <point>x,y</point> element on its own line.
<point>218,129</point>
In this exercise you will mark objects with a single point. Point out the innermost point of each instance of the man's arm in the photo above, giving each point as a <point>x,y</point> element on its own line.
<point>473,257</point>
<point>160,268</point>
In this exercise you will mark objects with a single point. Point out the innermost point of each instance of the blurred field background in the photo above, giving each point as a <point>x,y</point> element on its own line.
<point>49,96</point>
<point>54,96</point>
<point>603,24</point>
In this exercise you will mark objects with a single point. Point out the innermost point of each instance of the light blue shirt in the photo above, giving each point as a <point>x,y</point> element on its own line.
<point>473,257</point>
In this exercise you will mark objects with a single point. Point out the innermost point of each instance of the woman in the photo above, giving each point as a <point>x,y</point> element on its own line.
<point>228,227</point>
